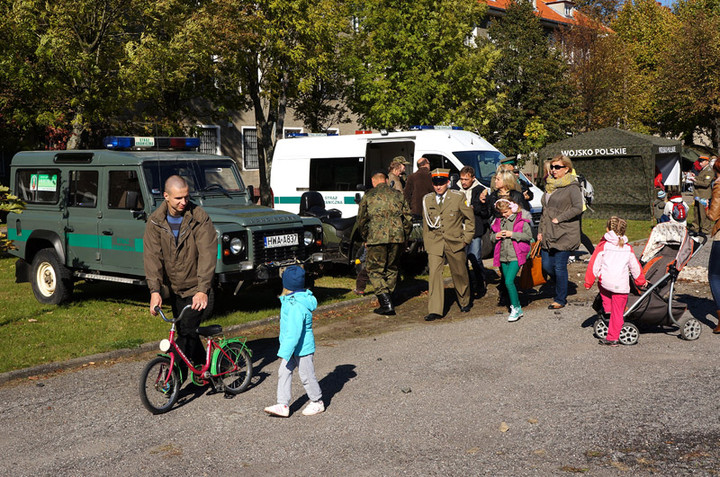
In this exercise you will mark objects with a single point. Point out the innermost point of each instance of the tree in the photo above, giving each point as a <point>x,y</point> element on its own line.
<point>603,11</point>
<point>70,51</point>
<point>8,203</point>
<point>645,28</point>
<point>689,87</point>
<point>532,77</point>
<point>416,63</point>
<point>270,55</point>
<point>602,72</point>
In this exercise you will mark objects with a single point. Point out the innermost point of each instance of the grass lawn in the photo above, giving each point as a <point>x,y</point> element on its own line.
<point>104,316</point>
<point>636,229</point>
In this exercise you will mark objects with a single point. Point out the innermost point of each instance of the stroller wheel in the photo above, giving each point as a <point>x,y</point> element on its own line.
<point>629,334</point>
<point>601,328</point>
<point>690,328</point>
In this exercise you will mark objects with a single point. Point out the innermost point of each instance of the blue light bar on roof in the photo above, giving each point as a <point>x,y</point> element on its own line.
<point>154,143</point>
<point>426,127</point>
<point>115,142</point>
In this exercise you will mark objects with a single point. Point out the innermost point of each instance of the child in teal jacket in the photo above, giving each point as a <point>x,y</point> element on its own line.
<point>297,344</point>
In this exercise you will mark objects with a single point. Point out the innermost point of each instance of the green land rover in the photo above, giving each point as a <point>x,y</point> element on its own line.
<point>86,211</point>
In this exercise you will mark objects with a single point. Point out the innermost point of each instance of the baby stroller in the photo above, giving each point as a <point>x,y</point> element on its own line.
<point>669,248</point>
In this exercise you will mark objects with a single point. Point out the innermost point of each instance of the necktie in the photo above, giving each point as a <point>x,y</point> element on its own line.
<point>440,200</point>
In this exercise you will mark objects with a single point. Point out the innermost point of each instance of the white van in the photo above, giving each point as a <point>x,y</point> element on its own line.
<point>339,167</point>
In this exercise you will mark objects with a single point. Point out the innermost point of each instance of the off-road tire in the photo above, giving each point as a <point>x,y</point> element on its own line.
<point>52,282</point>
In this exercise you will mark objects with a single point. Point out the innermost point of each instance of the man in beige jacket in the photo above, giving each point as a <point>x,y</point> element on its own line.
<point>448,227</point>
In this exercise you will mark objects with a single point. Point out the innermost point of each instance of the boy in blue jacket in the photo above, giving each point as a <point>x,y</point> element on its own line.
<point>297,344</point>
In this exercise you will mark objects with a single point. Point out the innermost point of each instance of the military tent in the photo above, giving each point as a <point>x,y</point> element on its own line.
<point>622,167</point>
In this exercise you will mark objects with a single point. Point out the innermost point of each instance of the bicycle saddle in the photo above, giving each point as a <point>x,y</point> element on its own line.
<point>211,330</point>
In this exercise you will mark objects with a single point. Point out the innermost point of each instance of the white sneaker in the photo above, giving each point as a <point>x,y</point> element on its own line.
<point>315,407</point>
<point>515,313</point>
<point>280,410</point>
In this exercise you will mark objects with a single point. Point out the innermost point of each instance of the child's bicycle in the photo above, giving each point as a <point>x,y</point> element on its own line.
<point>227,366</point>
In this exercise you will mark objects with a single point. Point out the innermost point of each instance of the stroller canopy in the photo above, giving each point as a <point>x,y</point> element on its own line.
<point>669,233</point>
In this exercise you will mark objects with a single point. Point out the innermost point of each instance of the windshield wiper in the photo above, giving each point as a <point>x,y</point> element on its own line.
<point>210,187</point>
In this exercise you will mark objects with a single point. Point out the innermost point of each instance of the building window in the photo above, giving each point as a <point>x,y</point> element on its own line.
<point>568,11</point>
<point>209,139</point>
<point>288,131</point>
<point>250,148</point>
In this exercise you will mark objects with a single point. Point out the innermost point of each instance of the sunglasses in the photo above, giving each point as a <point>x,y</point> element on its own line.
<point>556,167</point>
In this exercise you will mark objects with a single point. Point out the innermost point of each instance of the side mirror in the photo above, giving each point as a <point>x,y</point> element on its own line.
<point>360,187</point>
<point>251,193</point>
<point>358,198</point>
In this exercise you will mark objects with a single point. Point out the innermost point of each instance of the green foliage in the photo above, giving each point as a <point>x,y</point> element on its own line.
<point>689,87</point>
<point>8,203</point>
<point>609,90</point>
<point>532,78</point>
<point>413,62</point>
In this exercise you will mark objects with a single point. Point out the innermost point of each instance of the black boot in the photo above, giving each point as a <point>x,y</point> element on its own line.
<point>386,307</point>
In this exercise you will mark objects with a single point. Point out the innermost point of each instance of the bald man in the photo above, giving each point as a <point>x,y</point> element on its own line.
<point>180,243</point>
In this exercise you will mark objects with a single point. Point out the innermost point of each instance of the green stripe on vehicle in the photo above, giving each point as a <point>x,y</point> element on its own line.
<point>13,235</point>
<point>287,200</point>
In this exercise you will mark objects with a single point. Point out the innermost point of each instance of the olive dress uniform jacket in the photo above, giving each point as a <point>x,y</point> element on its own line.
<point>451,224</point>
<point>703,181</point>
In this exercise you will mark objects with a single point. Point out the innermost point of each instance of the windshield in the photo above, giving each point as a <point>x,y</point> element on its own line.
<point>206,177</point>
<point>485,163</point>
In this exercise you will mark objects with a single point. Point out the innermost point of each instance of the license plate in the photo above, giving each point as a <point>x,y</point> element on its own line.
<point>285,240</point>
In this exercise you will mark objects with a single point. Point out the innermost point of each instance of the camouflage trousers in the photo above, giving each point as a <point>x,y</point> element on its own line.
<point>382,264</point>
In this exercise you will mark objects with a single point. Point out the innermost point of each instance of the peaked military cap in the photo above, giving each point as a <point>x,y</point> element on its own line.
<point>440,176</point>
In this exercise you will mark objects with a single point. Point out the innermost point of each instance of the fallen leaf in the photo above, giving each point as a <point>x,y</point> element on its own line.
<point>619,465</point>
<point>504,427</point>
<point>532,420</point>
<point>473,450</point>
<point>539,452</point>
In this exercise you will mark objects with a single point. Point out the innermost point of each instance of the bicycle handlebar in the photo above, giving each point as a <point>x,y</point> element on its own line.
<point>174,320</point>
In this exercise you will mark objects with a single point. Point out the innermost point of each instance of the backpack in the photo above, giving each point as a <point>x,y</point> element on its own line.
<point>587,189</point>
<point>679,214</point>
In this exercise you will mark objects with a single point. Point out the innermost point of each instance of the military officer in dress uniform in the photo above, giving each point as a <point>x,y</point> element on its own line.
<point>385,223</point>
<point>448,226</point>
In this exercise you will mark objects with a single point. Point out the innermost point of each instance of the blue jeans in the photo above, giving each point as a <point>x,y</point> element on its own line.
<point>474,255</point>
<point>554,262</point>
<point>714,273</point>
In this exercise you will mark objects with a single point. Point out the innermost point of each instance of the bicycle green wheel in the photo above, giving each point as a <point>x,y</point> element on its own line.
<point>159,385</point>
<point>235,369</point>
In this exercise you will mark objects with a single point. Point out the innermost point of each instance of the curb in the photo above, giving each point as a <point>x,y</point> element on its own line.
<point>48,368</point>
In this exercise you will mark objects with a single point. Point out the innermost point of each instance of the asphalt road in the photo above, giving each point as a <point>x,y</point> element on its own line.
<point>468,395</point>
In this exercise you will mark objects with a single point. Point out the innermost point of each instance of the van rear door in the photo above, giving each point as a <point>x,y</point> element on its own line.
<point>379,153</point>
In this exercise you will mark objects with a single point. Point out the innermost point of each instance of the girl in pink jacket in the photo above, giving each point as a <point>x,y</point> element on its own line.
<point>612,263</point>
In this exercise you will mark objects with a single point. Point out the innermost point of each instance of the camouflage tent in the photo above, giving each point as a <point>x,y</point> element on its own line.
<point>622,167</point>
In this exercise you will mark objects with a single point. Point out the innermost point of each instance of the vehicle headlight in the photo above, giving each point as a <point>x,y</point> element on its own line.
<point>308,238</point>
<point>236,245</point>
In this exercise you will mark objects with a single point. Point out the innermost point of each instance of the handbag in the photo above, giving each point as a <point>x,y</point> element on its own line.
<point>531,274</point>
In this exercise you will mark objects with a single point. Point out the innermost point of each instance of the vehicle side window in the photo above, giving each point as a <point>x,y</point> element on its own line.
<point>83,189</point>
<point>342,173</point>
<point>442,162</point>
<point>38,186</point>
<point>124,191</point>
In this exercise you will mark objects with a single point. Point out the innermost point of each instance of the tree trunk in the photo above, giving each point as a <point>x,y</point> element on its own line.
<point>78,128</point>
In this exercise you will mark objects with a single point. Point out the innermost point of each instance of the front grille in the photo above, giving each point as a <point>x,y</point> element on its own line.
<point>264,255</point>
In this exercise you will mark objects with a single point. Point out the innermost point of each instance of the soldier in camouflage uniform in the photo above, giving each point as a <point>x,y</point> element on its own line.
<point>385,223</point>
<point>703,192</point>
